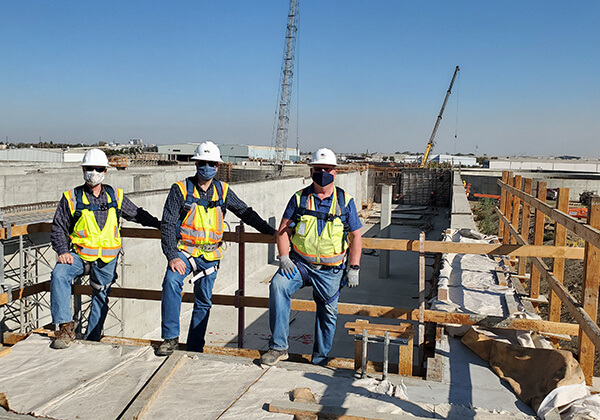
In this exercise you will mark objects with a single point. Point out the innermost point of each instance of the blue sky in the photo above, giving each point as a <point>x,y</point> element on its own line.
<point>369,74</point>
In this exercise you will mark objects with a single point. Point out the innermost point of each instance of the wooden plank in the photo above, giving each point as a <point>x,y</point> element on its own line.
<point>591,283</point>
<point>4,351</point>
<point>516,206</point>
<point>502,204</point>
<point>538,239</point>
<point>332,412</point>
<point>558,265</point>
<point>509,202</point>
<point>377,329</point>
<point>526,215</point>
<point>25,292</point>
<point>585,231</point>
<point>152,388</point>
<point>358,348</point>
<point>474,248</point>
<point>405,357</point>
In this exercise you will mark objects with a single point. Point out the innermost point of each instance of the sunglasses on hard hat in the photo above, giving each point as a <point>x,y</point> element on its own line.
<point>206,162</point>
<point>94,168</point>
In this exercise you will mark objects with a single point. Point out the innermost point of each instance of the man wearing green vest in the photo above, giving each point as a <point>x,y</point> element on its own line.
<point>86,237</point>
<point>319,226</point>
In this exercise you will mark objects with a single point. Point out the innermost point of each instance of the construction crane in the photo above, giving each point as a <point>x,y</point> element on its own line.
<point>286,86</point>
<point>431,142</point>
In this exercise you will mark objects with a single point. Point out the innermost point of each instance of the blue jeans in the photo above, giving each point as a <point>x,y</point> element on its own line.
<point>326,284</point>
<point>171,303</point>
<point>60,293</point>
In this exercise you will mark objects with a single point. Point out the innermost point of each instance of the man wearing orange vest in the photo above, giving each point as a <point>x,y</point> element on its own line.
<point>320,224</point>
<point>86,237</point>
<point>192,236</point>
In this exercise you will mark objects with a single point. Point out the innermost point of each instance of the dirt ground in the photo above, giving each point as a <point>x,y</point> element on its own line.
<point>487,222</point>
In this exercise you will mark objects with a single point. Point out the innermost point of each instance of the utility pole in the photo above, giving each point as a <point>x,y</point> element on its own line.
<point>283,116</point>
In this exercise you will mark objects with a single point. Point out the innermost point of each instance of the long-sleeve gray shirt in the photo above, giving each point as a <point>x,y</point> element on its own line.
<point>174,206</point>
<point>63,222</point>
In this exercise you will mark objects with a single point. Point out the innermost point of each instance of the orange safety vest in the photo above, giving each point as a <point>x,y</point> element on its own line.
<point>202,226</point>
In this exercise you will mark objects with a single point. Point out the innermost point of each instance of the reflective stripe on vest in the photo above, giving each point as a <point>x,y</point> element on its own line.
<point>89,241</point>
<point>330,247</point>
<point>202,225</point>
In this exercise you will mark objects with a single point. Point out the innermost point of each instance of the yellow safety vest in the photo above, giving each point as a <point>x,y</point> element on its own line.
<point>89,241</point>
<point>202,227</point>
<point>330,247</point>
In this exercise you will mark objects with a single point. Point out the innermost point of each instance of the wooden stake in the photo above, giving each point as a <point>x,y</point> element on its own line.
<point>516,207</point>
<point>507,213</point>
<point>525,224</point>
<point>558,266</point>
<point>502,203</point>
<point>538,239</point>
<point>591,274</point>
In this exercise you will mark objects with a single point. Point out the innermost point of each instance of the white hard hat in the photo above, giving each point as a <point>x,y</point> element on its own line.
<point>95,157</point>
<point>207,151</point>
<point>324,157</point>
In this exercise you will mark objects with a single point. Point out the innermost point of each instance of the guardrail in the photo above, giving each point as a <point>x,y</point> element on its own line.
<point>516,204</point>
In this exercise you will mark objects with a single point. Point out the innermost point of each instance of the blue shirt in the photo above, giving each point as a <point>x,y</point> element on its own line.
<point>324,206</point>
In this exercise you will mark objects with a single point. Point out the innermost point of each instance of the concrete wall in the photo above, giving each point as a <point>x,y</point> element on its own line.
<point>144,264</point>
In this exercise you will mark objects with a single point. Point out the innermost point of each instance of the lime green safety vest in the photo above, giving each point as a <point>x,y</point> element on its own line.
<point>330,247</point>
<point>89,241</point>
<point>202,224</point>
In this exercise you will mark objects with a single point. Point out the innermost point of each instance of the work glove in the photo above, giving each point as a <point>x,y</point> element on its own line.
<point>287,266</point>
<point>353,277</point>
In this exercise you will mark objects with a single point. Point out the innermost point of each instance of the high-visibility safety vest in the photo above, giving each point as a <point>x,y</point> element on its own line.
<point>89,241</point>
<point>201,220</point>
<point>328,248</point>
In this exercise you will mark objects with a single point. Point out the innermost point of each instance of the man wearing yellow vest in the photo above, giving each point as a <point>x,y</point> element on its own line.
<point>321,224</point>
<point>85,235</point>
<point>192,236</point>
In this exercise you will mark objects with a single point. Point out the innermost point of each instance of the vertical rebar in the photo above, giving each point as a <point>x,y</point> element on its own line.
<point>386,354</point>
<point>365,338</point>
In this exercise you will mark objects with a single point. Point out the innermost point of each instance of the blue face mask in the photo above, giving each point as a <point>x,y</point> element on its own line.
<point>322,178</point>
<point>206,172</point>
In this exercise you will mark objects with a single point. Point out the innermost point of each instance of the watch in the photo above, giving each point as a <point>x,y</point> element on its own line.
<point>355,267</point>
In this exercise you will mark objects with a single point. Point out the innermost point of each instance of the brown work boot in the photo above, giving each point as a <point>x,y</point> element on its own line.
<point>64,336</point>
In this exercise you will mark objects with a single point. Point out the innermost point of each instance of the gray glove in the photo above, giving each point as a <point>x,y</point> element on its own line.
<point>353,277</point>
<point>287,266</point>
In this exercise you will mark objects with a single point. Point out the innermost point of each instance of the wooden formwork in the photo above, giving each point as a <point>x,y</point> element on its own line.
<point>514,210</point>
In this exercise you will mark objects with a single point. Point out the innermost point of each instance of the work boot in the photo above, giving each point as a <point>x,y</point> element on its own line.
<point>167,347</point>
<point>64,336</point>
<point>271,357</point>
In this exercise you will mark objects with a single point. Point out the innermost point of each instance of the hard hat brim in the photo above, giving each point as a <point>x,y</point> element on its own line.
<point>207,159</point>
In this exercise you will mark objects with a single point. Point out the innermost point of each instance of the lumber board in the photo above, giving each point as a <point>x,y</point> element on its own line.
<point>591,283</point>
<point>377,329</point>
<point>332,412</point>
<point>558,265</point>
<point>516,206</point>
<point>152,388</point>
<point>368,243</point>
<point>588,233</point>
<point>4,351</point>
<point>525,216</point>
<point>25,292</point>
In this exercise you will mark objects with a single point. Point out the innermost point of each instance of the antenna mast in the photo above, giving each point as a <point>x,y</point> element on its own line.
<point>287,67</point>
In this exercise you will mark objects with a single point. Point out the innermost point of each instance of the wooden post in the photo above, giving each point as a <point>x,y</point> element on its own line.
<point>527,185</point>
<point>358,347</point>
<point>591,277</point>
<point>506,235</point>
<point>538,239</point>
<point>558,266</point>
<point>502,205</point>
<point>516,208</point>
